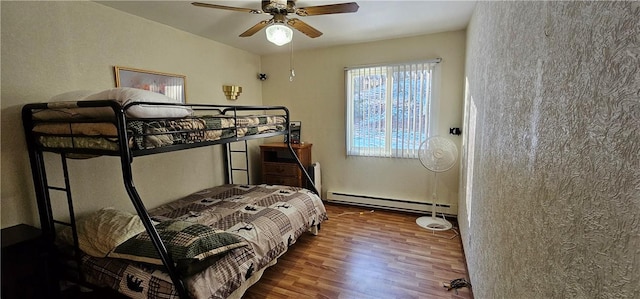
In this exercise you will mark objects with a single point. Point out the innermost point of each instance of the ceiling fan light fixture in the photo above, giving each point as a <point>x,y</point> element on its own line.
<point>279,34</point>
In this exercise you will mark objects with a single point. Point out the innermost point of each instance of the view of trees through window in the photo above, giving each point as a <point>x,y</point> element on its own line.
<point>389,110</point>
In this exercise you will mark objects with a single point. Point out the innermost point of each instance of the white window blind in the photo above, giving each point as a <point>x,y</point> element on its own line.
<point>388,108</point>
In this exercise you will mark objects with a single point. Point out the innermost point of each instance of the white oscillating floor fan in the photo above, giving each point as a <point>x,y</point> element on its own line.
<point>437,154</point>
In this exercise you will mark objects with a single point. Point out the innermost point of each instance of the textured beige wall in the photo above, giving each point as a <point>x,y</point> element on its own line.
<point>317,98</point>
<point>550,189</point>
<point>54,47</point>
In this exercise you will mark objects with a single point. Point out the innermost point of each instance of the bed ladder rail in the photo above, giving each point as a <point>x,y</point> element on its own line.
<point>231,155</point>
<point>72,219</point>
<point>48,219</point>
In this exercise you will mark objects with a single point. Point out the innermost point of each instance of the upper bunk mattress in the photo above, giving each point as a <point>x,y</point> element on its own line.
<point>153,133</point>
<point>148,134</point>
<point>86,120</point>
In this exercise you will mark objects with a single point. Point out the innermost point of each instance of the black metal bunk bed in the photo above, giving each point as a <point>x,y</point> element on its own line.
<point>126,153</point>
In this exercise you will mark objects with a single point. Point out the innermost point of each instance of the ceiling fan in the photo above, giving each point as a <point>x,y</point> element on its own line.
<point>279,9</point>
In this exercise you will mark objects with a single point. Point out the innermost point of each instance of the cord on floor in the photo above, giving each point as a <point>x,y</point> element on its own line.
<point>352,213</point>
<point>456,284</point>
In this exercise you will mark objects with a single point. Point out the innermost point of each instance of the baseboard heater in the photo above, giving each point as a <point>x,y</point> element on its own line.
<point>390,203</point>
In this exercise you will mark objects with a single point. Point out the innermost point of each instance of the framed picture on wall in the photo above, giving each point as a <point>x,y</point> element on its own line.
<point>171,85</point>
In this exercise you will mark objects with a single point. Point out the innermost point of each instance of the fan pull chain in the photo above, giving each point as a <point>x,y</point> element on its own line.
<point>292,72</point>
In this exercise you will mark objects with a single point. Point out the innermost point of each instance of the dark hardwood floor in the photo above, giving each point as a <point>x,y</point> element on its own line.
<point>359,254</point>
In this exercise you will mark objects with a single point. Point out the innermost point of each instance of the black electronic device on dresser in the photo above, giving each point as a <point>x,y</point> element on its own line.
<point>27,267</point>
<point>294,132</point>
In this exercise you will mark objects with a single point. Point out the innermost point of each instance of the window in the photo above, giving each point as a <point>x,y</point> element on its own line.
<point>388,108</point>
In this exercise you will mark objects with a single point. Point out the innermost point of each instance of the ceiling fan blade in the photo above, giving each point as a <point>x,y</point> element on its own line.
<point>240,9</point>
<point>304,28</point>
<point>257,27</point>
<point>327,9</point>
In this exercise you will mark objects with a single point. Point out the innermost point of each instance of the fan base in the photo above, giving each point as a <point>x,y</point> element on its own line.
<point>433,223</point>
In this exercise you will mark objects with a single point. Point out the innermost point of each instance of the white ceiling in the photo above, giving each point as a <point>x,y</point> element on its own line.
<point>375,20</point>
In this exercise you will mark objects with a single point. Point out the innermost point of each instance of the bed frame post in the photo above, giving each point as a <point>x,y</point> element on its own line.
<point>304,169</point>
<point>226,157</point>
<point>293,153</point>
<point>38,171</point>
<point>126,159</point>
<point>43,200</point>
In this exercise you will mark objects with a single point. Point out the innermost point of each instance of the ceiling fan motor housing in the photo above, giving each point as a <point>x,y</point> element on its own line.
<point>278,7</point>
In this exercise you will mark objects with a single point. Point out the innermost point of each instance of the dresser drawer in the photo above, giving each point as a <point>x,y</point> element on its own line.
<point>281,169</point>
<point>281,180</point>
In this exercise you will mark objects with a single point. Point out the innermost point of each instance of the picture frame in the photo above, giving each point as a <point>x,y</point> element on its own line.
<point>171,85</point>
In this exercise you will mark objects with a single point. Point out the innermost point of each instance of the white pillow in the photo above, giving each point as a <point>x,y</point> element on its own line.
<point>122,95</point>
<point>102,231</point>
<point>75,95</point>
<point>126,95</point>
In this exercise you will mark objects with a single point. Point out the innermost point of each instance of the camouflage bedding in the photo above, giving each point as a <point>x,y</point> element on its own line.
<point>153,133</point>
<point>269,218</point>
<point>157,133</point>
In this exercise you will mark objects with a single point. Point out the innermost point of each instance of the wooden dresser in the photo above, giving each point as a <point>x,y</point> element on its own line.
<point>280,168</point>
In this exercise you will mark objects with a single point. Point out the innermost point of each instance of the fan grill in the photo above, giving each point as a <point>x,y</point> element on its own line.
<point>438,154</point>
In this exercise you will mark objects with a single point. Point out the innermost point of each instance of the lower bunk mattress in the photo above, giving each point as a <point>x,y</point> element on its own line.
<point>268,218</point>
